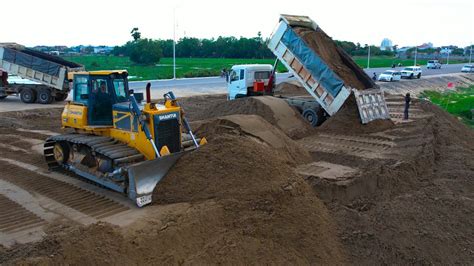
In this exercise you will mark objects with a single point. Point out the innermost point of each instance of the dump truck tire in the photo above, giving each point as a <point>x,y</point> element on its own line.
<point>28,95</point>
<point>44,96</point>
<point>311,116</point>
<point>60,97</point>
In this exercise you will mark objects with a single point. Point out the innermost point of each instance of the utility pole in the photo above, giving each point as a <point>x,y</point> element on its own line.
<point>470,54</point>
<point>447,60</point>
<point>368,58</point>
<point>174,43</point>
<point>416,51</point>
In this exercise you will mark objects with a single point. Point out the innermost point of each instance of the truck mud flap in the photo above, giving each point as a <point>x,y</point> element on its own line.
<point>371,105</point>
<point>143,177</point>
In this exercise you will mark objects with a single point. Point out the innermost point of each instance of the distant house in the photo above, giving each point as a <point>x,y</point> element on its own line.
<point>103,50</point>
<point>425,46</point>
<point>386,45</point>
<point>446,50</point>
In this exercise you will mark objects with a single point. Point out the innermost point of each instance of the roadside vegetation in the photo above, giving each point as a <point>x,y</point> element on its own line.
<point>459,102</point>
<point>200,67</point>
<point>185,67</point>
<point>147,59</point>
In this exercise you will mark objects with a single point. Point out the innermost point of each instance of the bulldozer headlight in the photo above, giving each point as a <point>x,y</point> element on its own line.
<point>143,200</point>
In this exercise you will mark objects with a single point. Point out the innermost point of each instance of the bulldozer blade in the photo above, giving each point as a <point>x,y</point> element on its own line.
<point>143,177</point>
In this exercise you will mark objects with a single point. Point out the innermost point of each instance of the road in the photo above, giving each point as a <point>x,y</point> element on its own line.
<point>190,86</point>
<point>445,69</point>
<point>197,86</point>
<point>210,85</point>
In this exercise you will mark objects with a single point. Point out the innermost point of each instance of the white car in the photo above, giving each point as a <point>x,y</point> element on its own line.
<point>411,72</point>
<point>390,75</point>
<point>433,64</point>
<point>467,68</point>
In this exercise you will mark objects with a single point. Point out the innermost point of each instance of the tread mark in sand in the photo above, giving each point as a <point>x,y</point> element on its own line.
<point>87,202</point>
<point>14,217</point>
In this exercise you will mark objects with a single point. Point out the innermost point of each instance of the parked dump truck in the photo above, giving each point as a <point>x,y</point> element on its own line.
<point>49,74</point>
<point>325,71</point>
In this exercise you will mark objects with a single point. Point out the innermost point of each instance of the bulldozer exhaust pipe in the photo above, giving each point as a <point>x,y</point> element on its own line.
<point>148,92</point>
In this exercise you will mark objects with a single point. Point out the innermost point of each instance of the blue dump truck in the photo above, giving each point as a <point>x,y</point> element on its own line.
<point>327,86</point>
<point>49,75</point>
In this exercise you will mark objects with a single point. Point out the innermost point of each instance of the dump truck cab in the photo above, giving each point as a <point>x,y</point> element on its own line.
<point>249,80</point>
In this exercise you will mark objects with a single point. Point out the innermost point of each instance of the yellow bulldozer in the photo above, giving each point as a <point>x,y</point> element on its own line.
<point>118,141</point>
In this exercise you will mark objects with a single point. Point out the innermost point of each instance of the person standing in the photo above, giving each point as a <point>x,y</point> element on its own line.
<point>407,105</point>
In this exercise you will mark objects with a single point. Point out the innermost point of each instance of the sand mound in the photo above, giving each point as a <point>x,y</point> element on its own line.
<point>259,130</point>
<point>291,88</point>
<point>276,111</point>
<point>347,121</point>
<point>336,58</point>
<point>413,207</point>
<point>241,204</point>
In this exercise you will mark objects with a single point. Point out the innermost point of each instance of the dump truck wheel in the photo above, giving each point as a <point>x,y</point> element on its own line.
<point>311,116</point>
<point>44,96</point>
<point>60,97</point>
<point>28,95</point>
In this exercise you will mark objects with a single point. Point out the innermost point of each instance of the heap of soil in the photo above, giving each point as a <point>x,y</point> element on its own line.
<point>274,110</point>
<point>347,121</point>
<point>290,88</point>
<point>234,201</point>
<point>258,129</point>
<point>415,205</point>
<point>335,58</point>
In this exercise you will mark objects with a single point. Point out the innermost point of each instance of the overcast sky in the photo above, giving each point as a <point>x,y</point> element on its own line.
<point>107,22</point>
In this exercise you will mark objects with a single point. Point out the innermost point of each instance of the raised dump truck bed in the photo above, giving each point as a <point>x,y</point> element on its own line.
<point>48,71</point>
<point>319,75</point>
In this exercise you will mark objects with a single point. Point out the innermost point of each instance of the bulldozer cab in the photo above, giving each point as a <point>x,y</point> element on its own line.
<point>99,91</point>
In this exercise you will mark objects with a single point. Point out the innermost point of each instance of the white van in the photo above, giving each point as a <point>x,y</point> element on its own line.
<point>433,64</point>
<point>411,72</point>
<point>242,79</point>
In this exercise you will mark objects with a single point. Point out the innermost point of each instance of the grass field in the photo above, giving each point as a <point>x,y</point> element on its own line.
<point>199,67</point>
<point>458,102</point>
<point>185,67</point>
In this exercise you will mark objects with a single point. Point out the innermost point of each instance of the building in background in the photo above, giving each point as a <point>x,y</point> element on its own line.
<point>424,46</point>
<point>386,45</point>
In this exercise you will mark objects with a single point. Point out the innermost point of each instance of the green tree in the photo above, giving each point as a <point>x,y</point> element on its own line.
<point>145,51</point>
<point>135,34</point>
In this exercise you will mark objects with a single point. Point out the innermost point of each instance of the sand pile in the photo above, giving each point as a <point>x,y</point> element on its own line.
<point>336,58</point>
<point>258,129</point>
<point>242,204</point>
<point>243,157</point>
<point>415,206</point>
<point>347,121</point>
<point>274,110</point>
<point>290,88</point>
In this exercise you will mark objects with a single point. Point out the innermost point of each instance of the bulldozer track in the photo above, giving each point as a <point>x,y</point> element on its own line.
<point>118,152</point>
<point>367,147</point>
<point>14,217</point>
<point>84,201</point>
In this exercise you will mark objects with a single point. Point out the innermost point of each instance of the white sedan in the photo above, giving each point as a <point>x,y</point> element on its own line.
<point>468,68</point>
<point>390,75</point>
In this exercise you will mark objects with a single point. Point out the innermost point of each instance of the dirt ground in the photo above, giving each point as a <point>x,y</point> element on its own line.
<point>267,189</point>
